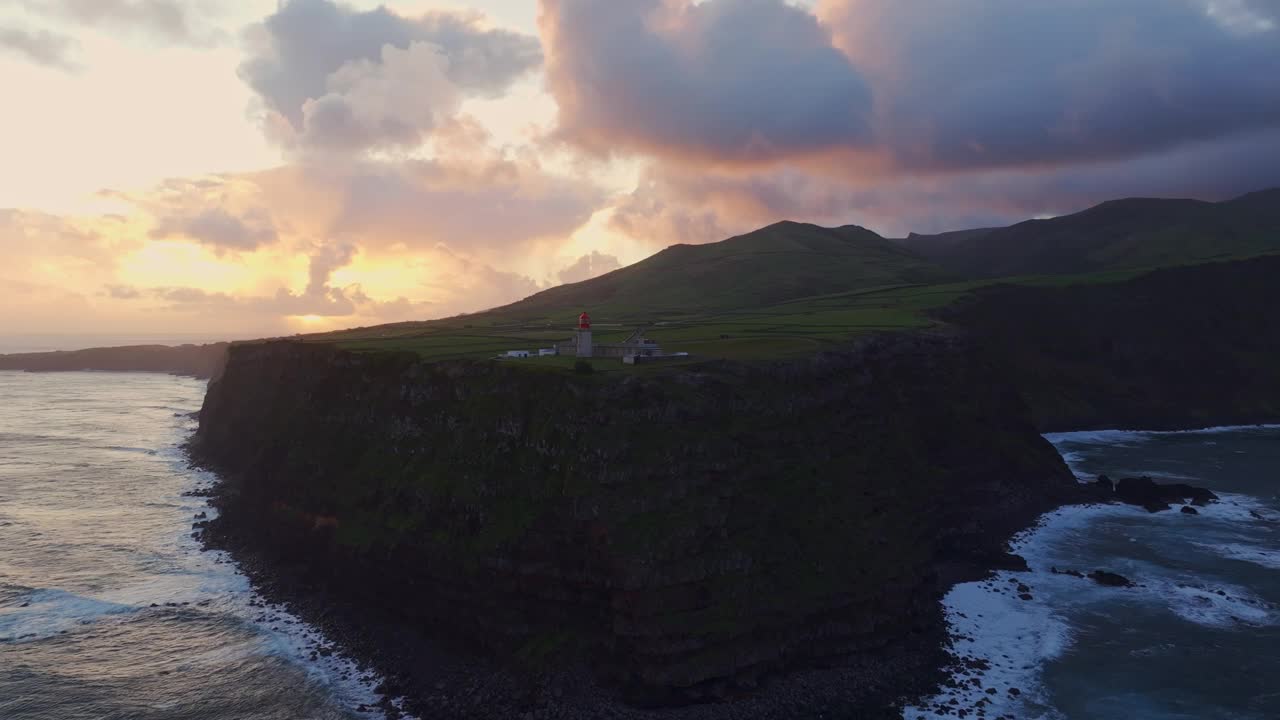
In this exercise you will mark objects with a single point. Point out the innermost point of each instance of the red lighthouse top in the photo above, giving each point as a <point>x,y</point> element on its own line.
<point>584,322</point>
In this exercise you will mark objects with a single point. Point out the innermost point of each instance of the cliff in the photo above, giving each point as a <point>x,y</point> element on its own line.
<point>201,361</point>
<point>687,532</point>
<point>1177,348</point>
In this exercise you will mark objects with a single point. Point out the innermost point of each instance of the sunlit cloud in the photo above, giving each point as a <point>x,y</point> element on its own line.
<point>268,167</point>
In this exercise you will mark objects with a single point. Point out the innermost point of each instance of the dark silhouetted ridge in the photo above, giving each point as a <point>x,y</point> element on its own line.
<point>1116,235</point>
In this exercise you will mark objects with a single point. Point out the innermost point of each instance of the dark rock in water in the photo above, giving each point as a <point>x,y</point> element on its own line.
<point>202,516</point>
<point>1110,579</point>
<point>1147,493</point>
<point>1007,561</point>
<point>1072,573</point>
<point>1188,510</point>
<point>1143,492</point>
<point>1103,489</point>
<point>1026,596</point>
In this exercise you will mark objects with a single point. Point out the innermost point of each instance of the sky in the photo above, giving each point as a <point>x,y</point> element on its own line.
<point>263,167</point>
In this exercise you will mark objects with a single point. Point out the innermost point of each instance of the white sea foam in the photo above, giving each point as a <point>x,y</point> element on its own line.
<point>1122,437</point>
<point>989,621</point>
<point>45,613</point>
<point>1258,555</point>
<point>1236,508</point>
<point>284,634</point>
<point>1221,607</point>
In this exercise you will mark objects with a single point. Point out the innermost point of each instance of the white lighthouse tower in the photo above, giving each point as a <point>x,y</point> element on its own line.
<point>584,336</point>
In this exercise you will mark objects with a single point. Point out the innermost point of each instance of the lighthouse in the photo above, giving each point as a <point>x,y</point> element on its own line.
<point>584,335</point>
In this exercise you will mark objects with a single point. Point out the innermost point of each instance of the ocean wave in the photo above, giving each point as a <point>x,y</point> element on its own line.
<point>12,437</point>
<point>1255,554</point>
<point>1238,508</point>
<point>994,626</point>
<point>41,614</point>
<point>1121,437</point>
<point>1219,606</point>
<point>123,448</point>
<point>305,646</point>
<point>1003,640</point>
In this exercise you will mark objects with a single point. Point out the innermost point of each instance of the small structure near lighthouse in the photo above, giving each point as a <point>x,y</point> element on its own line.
<point>585,350</point>
<point>635,350</point>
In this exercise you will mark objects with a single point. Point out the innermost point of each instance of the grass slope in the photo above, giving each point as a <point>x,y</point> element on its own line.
<point>793,289</point>
<point>1116,235</point>
<point>778,263</point>
<point>789,288</point>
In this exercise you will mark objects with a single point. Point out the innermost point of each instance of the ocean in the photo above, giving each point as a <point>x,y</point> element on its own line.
<point>110,610</point>
<point>1198,637</point>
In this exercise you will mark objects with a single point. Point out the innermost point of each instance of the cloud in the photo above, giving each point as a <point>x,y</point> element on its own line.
<point>901,117</point>
<point>220,229</point>
<point>470,195</point>
<point>674,204</point>
<point>1001,83</point>
<point>462,285</point>
<point>123,292</point>
<point>724,80</point>
<point>1247,16</point>
<point>191,296</point>
<point>31,238</point>
<point>391,103</point>
<point>963,85</point>
<point>593,264</point>
<point>42,48</point>
<point>171,21</point>
<point>338,78</point>
<point>452,284</point>
<point>319,299</point>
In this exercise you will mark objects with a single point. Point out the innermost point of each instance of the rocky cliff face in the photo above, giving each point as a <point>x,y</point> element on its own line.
<point>1178,348</point>
<point>688,531</point>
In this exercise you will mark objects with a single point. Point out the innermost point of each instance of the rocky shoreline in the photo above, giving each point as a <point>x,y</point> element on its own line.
<point>501,544</point>
<point>427,677</point>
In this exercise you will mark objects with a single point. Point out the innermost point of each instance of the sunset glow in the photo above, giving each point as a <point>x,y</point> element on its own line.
<point>474,153</point>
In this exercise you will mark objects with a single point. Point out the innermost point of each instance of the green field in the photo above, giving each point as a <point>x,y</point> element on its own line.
<point>790,329</point>
<point>794,328</point>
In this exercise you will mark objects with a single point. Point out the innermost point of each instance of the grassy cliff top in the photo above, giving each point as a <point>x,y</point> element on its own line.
<point>793,289</point>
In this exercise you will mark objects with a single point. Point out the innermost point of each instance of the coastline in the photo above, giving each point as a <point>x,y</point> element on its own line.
<point>1006,637</point>
<point>379,614</point>
<point>424,676</point>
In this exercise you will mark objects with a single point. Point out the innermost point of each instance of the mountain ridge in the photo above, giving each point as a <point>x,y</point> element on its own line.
<point>774,261</point>
<point>1125,233</point>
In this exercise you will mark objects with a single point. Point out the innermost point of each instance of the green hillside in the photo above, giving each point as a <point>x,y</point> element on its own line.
<point>794,289</point>
<point>781,262</point>
<point>789,288</point>
<point>1116,235</point>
